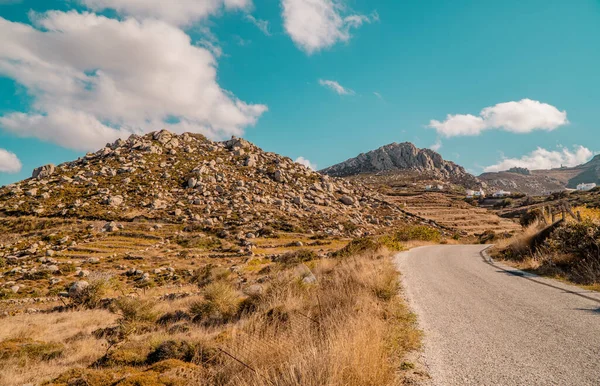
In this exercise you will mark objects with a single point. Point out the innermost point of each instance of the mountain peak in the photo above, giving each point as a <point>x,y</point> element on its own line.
<point>403,156</point>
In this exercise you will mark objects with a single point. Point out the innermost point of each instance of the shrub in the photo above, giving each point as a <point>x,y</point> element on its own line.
<point>297,257</point>
<point>418,232</point>
<point>356,247</point>
<point>132,353</point>
<point>220,305</point>
<point>208,274</point>
<point>391,243</point>
<point>172,349</point>
<point>30,349</point>
<point>174,352</point>
<point>93,294</point>
<point>135,310</point>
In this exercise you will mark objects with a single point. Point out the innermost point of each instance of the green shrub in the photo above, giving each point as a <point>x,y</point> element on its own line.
<point>391,243</point>
<point>357,246</point>
<point>418,232</point>
<point>297,257</point>
<point>30,349</point>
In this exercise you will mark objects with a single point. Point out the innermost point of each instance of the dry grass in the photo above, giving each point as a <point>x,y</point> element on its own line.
<point>333,321</point>
<point>520,244</point>
<point>72,329</point>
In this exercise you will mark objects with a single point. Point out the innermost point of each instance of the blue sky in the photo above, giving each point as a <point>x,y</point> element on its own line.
<point>318,79</point>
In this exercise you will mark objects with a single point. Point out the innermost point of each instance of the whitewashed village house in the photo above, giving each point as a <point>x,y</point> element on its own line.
<point>475,193</point>
<point>586,187</point>
<point>501,193</point>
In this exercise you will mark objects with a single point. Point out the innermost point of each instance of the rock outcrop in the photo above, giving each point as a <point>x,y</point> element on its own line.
<point>398,157</point>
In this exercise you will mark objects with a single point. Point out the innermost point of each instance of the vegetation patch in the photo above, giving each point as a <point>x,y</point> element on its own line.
<point>30,349</point>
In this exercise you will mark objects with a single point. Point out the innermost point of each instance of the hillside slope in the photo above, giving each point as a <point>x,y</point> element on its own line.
<point>231,185</point>
<point>539,182</point>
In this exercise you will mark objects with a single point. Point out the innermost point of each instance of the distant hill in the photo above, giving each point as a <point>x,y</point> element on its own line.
<point>402,158</point>
<point>539,182</point>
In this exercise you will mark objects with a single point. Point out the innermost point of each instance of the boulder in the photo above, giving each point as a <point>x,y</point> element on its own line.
<point>114,200</point>
<point>347,200</point>
<point>78,289</point>
<point>43,171</point>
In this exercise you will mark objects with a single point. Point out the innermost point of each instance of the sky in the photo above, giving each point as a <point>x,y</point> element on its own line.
<point>488,84</point>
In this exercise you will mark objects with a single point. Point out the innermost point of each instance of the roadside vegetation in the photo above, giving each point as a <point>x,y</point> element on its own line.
<point>567,249</point>
<point>302,318</point>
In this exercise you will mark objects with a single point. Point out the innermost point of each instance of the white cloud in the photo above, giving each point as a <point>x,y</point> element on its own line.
<point>9,162</point>
<point>523,116</point>
<point>437,145</point>
<point>307,163</point>
<point>318,24</point>
<point>94,79</point>
<point>545,159</point>
<point>262,25</point>
<point>335,86</point>
<point>378,95</point>
<point>178,12</point>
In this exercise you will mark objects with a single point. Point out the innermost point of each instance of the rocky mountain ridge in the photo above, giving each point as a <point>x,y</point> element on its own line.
<point>402,157</point>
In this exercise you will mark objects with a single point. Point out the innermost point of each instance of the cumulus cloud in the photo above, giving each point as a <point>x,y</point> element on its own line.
<point>94,79</point>
<point>318,24</point>
<point>523,116</point>
<point>545,159</point>
<point>9,162</point>
<point>335,86</point>
<point>262,25</point>
<point>178,12</point>
<point>307,163</point>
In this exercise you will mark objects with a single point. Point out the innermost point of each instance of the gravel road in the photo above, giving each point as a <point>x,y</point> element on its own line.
<point>488,324</point>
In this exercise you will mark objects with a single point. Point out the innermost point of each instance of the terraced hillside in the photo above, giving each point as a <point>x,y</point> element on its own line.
<point>451,212</point>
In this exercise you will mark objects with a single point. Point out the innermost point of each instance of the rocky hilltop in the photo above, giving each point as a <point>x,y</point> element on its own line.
<point>539,182</point>
<point>230,186</point>
<point>402,157</point>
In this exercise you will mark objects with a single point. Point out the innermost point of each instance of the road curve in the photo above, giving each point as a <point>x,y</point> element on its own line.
<point>488,324</point>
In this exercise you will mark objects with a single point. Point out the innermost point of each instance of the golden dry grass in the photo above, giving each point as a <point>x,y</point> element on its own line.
<point>72,329</point>
<point>322,322</point>
<point>520,243</point>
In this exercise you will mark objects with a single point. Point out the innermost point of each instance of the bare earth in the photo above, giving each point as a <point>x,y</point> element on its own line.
<point>488,324</point>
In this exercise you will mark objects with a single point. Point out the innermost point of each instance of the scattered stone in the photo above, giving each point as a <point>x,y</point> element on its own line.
<point>78,289</point>
<point>43,171</point>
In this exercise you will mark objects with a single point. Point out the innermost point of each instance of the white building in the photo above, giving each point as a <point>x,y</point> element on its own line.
<point>475,193</point>
<point>501,193</point>
<point>428,187</point>
<point>586,187</point>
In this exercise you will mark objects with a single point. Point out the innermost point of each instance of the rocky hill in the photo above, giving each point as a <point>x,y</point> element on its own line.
<point>533,183</point>
<point>587,173</point>
<point>399,158</point>
<point>539,182</point>
<point>230,186</point>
